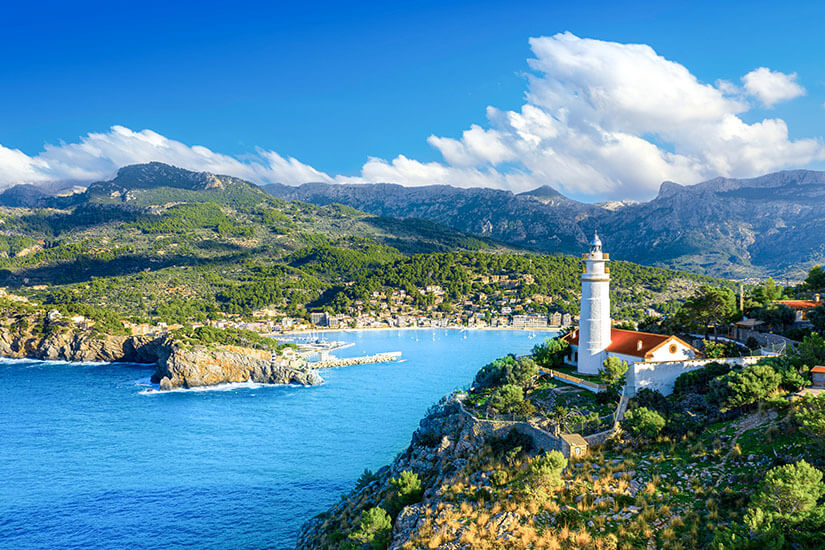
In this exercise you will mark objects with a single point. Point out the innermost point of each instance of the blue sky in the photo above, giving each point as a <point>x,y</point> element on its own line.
<point>333,85</point>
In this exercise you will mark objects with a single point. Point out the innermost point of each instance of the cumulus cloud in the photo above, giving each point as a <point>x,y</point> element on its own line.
<point>604,119</point>
<point>601,120</point>
<point>771,87</point>
<point>99,155</point>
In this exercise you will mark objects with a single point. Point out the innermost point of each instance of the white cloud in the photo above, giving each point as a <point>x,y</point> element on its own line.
<point>99,155</point>
<point>610,120</point>
<point>771,87</point>
<point>600,120</point>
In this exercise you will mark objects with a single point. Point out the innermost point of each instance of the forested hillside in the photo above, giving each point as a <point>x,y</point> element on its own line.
<point>161,243</point>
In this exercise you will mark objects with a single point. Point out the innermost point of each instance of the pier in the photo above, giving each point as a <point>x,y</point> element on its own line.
<point>332,362</point>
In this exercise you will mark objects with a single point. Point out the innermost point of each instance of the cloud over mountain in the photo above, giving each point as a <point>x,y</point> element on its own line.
<point>99,155</point>
<point>600,120</point>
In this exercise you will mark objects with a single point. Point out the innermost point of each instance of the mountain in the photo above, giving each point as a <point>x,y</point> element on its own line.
<point>22,195</point>
<point>162,243</point>
<point>769,225</point>
<point>542,222</point>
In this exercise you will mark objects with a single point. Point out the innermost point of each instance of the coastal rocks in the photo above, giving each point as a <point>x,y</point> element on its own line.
<point>70,345</point>
<point>204,366</point>
<point>444,444</point>
<point>177,366</point>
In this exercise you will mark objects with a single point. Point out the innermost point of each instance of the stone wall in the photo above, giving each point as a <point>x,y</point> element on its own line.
<point>542,439</point>
<point>661,375</point>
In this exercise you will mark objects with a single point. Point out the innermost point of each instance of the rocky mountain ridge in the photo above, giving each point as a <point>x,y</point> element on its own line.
<point>769,225</point>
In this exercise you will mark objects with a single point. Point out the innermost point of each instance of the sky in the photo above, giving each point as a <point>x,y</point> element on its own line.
<point>601,100</point>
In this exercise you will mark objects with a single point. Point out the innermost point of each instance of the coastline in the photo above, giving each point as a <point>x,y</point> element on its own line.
<point>364,329</point>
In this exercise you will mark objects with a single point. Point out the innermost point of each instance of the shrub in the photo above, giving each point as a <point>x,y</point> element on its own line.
<point>506,370</point>
<point>406,488</point>
<point>520,372</point>
<point>373,529</point>
<point>544,474</point>
<point>550,353</point>
<point>788,495</point>
<point>613,372</point>
<point>809,414</point>
<point>696,381</point>
<point>509,399</point>
<point>644,422</point>
<point>751,384</point>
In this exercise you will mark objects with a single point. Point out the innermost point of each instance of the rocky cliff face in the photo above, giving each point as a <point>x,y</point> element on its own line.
<point>177,366</point>
<point>78,346</point>
<point>445,449</point>
<point>202,366</point>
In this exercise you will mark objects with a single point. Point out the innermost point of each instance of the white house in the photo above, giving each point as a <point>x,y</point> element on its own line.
<point>634,347</point>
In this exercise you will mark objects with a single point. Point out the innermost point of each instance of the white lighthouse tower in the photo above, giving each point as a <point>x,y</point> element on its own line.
<point>594,323</point>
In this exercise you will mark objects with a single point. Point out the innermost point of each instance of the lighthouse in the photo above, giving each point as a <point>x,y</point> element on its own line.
<point>594,322</point>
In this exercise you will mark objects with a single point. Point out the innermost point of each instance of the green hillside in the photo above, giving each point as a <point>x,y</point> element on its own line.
<point>158,242</point>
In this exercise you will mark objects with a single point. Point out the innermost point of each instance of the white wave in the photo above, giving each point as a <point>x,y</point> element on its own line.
<point>12,361</point>
<point>228,386</point>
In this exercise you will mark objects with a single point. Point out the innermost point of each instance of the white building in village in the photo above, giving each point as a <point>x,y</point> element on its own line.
<point>655,360</point>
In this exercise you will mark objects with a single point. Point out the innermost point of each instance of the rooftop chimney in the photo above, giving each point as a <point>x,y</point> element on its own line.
<point>638,345</point>
<point>816,298</point>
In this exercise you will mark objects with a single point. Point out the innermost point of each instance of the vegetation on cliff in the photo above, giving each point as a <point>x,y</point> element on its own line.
<point>725,462</point>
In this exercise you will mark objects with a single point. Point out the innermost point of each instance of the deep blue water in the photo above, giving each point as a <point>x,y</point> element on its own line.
<point>90,459</point>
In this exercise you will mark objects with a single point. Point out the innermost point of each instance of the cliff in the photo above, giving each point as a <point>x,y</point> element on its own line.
<point>446,450</point>
<point>78,346</point>
<point>204,366</point>
<point>178,366</point>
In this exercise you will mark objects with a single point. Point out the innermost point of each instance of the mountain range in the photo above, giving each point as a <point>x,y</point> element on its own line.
<point>733,228</point>
<point>736,228</point>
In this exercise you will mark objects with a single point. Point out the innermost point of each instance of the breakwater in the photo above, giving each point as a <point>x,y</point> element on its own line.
<point>363,360</point>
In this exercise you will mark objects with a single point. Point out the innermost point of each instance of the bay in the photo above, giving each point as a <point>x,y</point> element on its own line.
<point>92,457</point>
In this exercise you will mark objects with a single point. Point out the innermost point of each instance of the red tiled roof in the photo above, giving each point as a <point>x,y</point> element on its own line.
<point>818,370</point>
<point>799,304</point>
<point>630,342</point>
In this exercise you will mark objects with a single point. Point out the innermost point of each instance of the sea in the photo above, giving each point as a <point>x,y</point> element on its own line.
<point>93,456</point>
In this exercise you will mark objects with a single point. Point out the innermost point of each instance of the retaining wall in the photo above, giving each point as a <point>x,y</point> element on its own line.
<point>542,439</point>
<point>661,375</point>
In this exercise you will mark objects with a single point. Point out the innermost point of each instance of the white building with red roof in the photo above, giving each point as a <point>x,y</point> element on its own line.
<point>595,339</point>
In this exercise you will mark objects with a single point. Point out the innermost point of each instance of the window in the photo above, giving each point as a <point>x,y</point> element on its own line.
<point>673,349</point>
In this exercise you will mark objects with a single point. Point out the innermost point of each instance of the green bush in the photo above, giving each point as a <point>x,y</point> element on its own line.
<point>509,399</point>
<point>788,495</point>
<point>373,529</point>
<point>613,372</point>
<point>406,488</point>
<point>507,370</point>
<point>751,384</point>
<point>643,422</point>
<point>809,415</point>
<point>550,353</point>
<point>696,381</point>
<point>544,474</point>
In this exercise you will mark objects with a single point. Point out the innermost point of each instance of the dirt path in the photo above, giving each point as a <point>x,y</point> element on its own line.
<point>742,425</point>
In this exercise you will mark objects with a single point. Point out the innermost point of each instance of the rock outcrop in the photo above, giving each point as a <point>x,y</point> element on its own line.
<point>79,346</point>
<point>177,366</point>
<point>441,450</point>
<point>203,366</point>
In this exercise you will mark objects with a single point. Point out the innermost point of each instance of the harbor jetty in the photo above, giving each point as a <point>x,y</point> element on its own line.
<point>332,362</point>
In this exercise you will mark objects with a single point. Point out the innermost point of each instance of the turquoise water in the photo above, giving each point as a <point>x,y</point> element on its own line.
<point>92,457</point>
